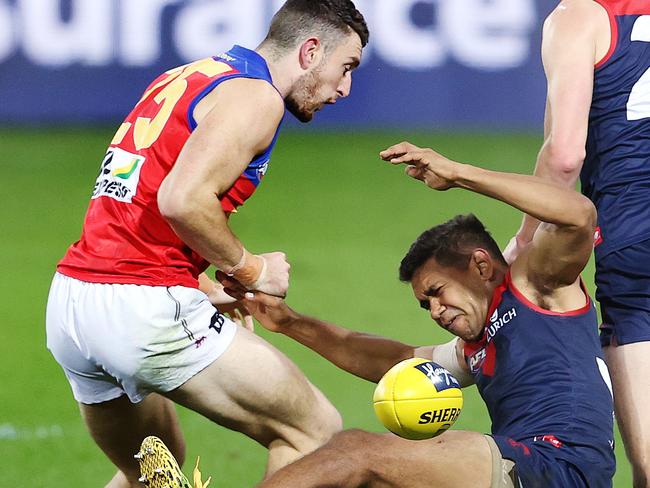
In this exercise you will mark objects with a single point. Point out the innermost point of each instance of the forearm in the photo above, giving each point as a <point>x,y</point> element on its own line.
<point>550,167</point>
<point>364,355</point>
<point>540,198</point>
<point>204,228</point>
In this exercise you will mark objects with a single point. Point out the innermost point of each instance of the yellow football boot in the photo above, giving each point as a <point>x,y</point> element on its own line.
<point>159,469</point>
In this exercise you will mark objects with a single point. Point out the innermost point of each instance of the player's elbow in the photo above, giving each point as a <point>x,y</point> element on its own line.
<point>565,158</point>
<point>174,205</point>
<point>584,212</point>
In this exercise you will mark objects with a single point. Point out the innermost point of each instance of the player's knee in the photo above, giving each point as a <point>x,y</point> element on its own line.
<point>332,420</point>
<point>324,422</point>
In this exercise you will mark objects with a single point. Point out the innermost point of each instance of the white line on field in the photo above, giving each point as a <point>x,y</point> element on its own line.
<point>9,432</point>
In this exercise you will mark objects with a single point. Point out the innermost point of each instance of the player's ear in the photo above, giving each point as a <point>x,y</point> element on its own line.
<point>310,53</point>
<point>481,263</point>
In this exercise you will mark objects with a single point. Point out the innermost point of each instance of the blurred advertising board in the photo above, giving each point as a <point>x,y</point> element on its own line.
<point>431,64</point>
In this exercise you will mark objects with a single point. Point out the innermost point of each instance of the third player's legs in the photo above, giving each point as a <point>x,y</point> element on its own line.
<point>254,389</point>
<point>623,280</point>
<point>628,365</point>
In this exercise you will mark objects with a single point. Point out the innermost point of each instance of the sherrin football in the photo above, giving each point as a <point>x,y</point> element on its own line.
<point>418,399</point>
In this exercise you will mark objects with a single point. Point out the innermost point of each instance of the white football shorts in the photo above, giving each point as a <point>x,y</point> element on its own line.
<point>114,339</point>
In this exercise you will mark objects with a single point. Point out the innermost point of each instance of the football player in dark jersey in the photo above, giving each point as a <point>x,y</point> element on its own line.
<point>596,56</point>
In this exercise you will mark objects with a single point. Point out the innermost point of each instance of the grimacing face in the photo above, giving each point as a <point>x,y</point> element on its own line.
<point>456,299</point>
<point>327,82</point>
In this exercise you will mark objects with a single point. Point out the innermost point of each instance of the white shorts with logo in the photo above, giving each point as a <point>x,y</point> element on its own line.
<point>114,339</point>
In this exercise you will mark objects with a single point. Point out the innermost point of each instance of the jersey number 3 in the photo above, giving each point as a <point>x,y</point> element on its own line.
<point>638,105</point>
<point>146,130</point>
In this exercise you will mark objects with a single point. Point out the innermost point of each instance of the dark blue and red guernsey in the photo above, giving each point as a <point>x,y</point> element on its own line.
<point>543,378</point>
<point>616,171</point>
<point>125,239</point>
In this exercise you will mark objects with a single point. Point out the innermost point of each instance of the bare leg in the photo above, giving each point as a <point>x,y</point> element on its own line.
<point>254,389</point>
<point>355,458</point>
<point>118,427</point>
<point>628,365</point>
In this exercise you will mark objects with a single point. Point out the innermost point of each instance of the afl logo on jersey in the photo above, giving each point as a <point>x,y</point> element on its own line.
<point>476,360</point>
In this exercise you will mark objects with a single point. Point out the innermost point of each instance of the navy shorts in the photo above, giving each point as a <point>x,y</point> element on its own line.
<point>623,290</point>
<point>540,464</point>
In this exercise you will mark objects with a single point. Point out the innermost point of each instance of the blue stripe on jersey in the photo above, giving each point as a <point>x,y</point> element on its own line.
<point>249,64</point>
<point>616,171</point>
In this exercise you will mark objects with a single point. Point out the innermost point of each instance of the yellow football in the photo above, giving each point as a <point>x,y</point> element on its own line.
<point>418,399</point>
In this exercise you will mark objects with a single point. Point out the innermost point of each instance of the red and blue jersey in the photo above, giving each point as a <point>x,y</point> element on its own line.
<point>616,171</point>
<point>543,377</point>
<point>125,239</point>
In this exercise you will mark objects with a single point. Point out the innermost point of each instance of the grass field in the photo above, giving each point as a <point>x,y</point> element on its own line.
<point>344,218</point>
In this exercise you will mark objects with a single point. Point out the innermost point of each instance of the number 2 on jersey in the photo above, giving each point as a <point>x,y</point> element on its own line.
<point>638,105</point>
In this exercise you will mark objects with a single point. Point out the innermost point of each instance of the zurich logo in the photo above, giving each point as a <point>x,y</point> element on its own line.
<point>497,322</point>
<point>495,316</point>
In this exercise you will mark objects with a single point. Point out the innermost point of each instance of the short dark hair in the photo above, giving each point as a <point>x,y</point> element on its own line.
<point>298,18</point>
<point>451,244</point>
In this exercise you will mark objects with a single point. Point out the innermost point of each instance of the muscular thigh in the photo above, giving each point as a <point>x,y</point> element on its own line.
<point>454,459</point>
<point>257,390</point>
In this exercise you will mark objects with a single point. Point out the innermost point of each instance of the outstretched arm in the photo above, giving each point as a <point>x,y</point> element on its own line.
<point>575,37</point>
<point>365,355</point>
<point>562,244</point>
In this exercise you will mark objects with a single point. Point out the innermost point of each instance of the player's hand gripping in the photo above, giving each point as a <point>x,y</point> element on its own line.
<point>423,164</point>
<point>227,304</point>
<point>270,311</point>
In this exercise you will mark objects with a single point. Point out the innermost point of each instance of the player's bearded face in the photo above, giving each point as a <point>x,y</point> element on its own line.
<point>330,80</point>
<point>305,99</point>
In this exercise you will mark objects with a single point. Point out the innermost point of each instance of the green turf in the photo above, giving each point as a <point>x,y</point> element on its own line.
<point>344,218</point>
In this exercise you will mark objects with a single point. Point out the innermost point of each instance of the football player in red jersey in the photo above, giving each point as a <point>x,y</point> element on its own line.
<point>596,56</point>
<point>131,316</point>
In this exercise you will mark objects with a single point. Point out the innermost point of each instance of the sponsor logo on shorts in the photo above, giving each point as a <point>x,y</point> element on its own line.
<point>119,175</point>
<point>216,322</point>
<point>439,376</point>
<point>551,439</point>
